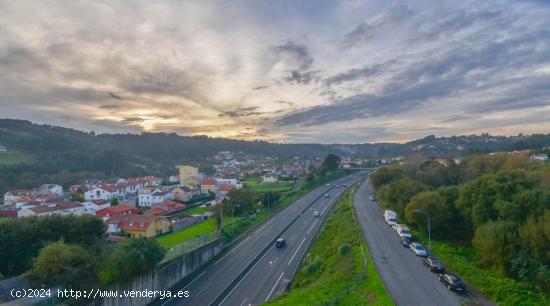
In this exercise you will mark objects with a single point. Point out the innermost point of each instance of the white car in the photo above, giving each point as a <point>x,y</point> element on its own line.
<point>390,217</point>
<point>403,231</point>
<point>327,195</point>
<point>316,214</point>
<point>371,198</point>
<point>418,249</point>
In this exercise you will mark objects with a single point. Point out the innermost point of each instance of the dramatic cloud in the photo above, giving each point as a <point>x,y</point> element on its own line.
<point>341,71</point>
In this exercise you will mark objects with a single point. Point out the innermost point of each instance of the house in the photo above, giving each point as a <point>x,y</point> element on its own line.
<point>209,185</point>
<point>270,178</point>
<point>145,196</point>
<point>69,208</point>
<point>539,157</point>
<point>230,181</point>
<point>103,192</point>
<point>189,175</point>
<point>136,226</point>
<point>13,196</point>
<point>165,208</point>
<point>94,206</point>
<point>173,179</point>
<point>121,209</point>
<point>225,188</point>
<point>51,189</point>
<point>182,194</point>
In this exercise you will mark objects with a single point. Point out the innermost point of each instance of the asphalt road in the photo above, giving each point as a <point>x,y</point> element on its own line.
<point>217,281</point>
<point>407,280</point>
<point>278,265</point>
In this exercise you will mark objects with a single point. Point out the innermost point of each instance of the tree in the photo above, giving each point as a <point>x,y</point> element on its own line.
<point>64,264</point>
<point>496,243</point>
<point>129,258</point>
<point>270,197</point>
<point>330,163</point>
<point>398,193</point>
<point>114,201</point>
<point>440,212</point>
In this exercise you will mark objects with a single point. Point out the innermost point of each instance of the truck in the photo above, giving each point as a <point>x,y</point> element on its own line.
<point>390,217</point>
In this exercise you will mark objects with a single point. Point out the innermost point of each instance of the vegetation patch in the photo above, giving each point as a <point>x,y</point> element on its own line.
<point>11,157</point>
<point>337,269</point>
<point>204,228</point>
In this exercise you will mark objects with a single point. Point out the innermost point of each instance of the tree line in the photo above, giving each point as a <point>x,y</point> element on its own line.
<point>498,204</point>
<point>71,251</point>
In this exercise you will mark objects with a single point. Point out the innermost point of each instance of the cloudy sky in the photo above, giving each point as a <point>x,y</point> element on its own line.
<point>288,71</point>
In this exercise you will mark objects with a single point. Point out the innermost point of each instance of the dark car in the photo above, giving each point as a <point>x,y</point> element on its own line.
<point>433,264</point>
<point>452,282</point>
<point>280,243</point>
<point>405,241</point>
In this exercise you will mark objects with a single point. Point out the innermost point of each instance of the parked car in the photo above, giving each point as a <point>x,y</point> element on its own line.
<point>280,243</point>
<point>390,217</point>
<point>371,198</point>
<point>406,241</point>
<point>452,282</point>
<point>316,214</point>
<point>418,249</point>
<point>433,264</point>
<point>403,231</point>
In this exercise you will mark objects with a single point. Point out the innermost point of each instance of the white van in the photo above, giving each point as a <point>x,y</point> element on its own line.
<point>403,231</point>
<point>390,217</point>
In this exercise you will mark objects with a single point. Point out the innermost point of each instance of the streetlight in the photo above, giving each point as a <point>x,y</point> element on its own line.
<point>429,230</point>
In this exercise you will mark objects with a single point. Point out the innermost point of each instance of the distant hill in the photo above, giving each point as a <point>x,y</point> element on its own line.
<point>64,155</point>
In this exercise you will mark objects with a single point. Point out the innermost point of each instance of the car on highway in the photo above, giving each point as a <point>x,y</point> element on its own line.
<point>371,198</point>
<point>406,241</point>
<point>327,195</point>
<point>433,264</point>
<point>280,243</point>
<point>452,282</point>
<point>328,184</point>
<point>316,214</point>
<point>418,249</point>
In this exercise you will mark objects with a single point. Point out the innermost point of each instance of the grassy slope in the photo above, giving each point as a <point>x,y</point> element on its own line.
<point>340,279</point>
<point>11,157</point>
<point>502,290</point>
<point>169,240</point>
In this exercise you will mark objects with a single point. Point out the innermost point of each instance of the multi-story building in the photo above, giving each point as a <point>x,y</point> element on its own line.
<point>189,175</point>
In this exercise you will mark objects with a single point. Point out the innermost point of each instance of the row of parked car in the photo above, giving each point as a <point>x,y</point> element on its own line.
<point>451,281</point>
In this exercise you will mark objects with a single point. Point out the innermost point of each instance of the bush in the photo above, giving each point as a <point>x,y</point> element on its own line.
<point>314,266</point>
<point>344,249</point>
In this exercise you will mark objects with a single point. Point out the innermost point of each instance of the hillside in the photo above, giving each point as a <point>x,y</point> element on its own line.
<point>63,155</point>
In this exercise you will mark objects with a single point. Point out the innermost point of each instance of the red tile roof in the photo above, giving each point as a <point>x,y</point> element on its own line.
<point>208,182</point>
<point>116,210</point>
<point>226,187</point>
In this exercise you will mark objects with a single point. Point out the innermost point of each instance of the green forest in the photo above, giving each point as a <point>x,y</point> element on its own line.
<point>497,205</point>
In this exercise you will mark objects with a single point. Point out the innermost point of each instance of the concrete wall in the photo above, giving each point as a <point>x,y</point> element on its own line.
<point>165,276</point>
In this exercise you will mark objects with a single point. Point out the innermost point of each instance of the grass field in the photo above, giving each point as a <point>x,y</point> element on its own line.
<point>256,184</point>
<point>337,269</point>
<point>11,157</point>
<point>196,210</point>
<point>172,239</point>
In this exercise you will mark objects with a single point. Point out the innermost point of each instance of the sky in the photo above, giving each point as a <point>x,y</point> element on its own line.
<point>344,71</point>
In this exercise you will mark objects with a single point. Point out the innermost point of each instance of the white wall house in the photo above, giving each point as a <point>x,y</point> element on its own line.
<point>226,181</point>
<point>52,189</point>
<point>270,178</point>
<point>13,196</point>
<point>145,196</point>
<point>94,206</point>
<point>70,208</point>
<point>100,193</point>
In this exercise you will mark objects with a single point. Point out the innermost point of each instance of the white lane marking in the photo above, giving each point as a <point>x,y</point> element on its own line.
<point>200,275</point>
<point>270,292</point>
<point>204,288</point>
<point>324,210</point>
<point>296,251</point>
<point>292,238</point>
<point>237,285</point>
<point>244,301</point>
<point>309,231</point>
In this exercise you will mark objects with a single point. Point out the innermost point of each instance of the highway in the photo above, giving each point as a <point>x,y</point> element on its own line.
<point>407,280</point>
<point>251,272</point>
